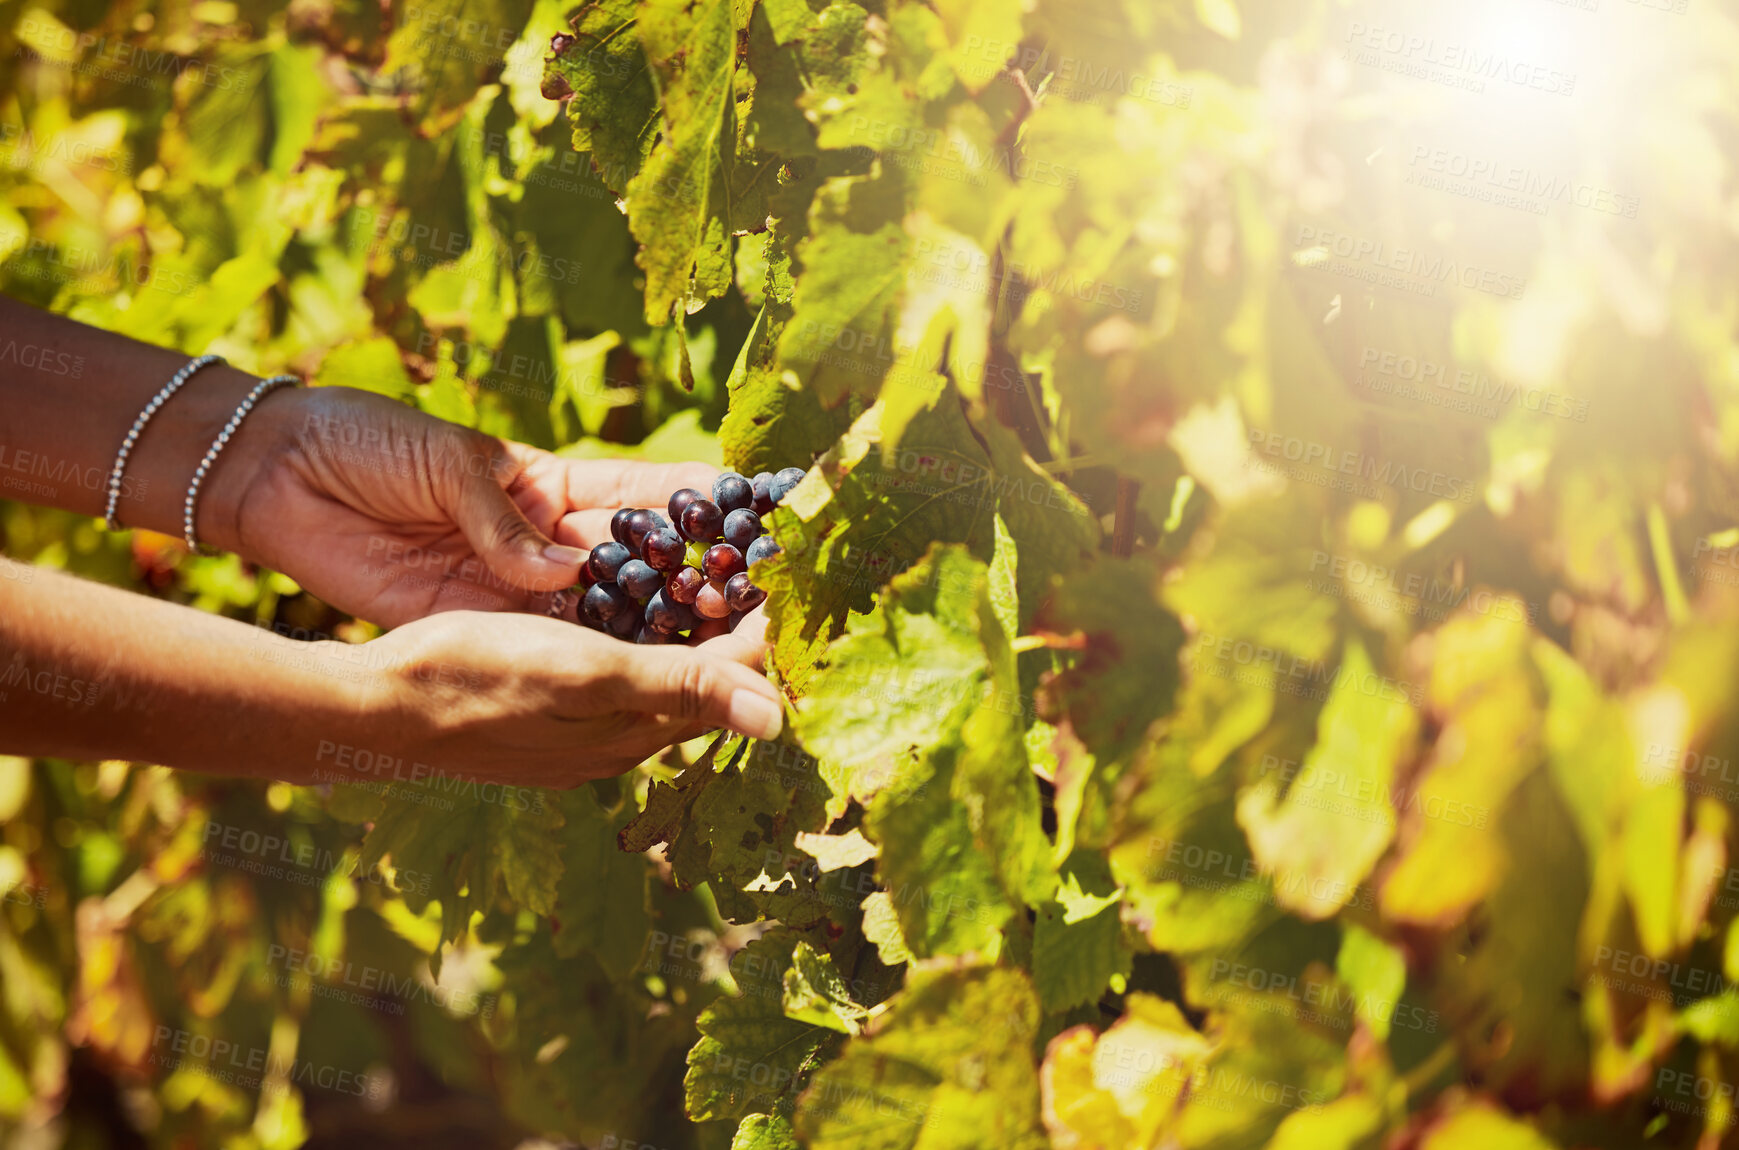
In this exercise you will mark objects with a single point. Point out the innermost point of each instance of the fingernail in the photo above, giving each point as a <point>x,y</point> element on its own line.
<point>754,715</point>
<point>566,556</point>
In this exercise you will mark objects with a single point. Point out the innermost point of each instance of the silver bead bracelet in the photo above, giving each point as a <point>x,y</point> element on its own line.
<point>115,473</point>
<point>260,391</point>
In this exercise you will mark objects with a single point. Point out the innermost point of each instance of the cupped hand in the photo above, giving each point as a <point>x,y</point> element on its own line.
<point>533,701</point>
<point>392,515</point>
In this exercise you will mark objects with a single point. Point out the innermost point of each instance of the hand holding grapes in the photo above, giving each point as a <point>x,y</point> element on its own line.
<point>392,515</point>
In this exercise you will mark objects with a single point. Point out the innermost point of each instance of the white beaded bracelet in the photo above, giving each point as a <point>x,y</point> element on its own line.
<point>115,473</point>
<point>260,391</point>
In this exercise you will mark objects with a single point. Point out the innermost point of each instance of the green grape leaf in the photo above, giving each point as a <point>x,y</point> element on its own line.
<point>948,1065</point>
<point>1078,943</point>
<point>751,1058</point>
<point>476,841</point>
<point>603,76</point>
<point>1319,826</point>
<point>600,904</point>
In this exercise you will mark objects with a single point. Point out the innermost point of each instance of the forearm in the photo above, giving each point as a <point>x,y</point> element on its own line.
<point>90,672</point>
<point>68,395</point>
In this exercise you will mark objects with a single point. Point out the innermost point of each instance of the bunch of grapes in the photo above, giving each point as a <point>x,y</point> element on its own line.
<point>662,577</point>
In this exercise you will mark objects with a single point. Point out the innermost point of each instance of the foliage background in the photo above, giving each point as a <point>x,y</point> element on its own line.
<point>1260,610</point>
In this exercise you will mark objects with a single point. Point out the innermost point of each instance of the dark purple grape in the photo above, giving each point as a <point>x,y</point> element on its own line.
<point>624,625</point>
<point>762,548</point>
<point>759,485</point>
<point>663,550</point>
<point>741,528</point>
<point>731,491</point>
<point>743,595</point>
<point>606,560</point>
<point>619,525</point>
<point>604,602</point>
<point>684,584</point>
<point>679,502</point>
<point>638,579</point>
<point>702,521</point>
<point>652,637</point>
<point>710,603</point>
<point>665,614</point>
<point>781,484</point>
<point>641,524</point>
<point>721,561</point>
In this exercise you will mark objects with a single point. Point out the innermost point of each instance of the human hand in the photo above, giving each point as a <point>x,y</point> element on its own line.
<point>391,514</point>
<point>533,701</point>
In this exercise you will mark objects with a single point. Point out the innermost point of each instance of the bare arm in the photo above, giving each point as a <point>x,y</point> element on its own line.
<point>90,672</point>
<point>68,394</point>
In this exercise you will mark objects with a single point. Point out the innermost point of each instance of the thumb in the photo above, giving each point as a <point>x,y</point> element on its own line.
<point>515,551</point>
<point>685,684</point>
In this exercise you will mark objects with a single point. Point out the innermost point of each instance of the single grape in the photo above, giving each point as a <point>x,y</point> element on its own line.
<point>640,524</point>
<point>604,602</point>
<point>782,484</point>
<point>619,524</point>
<point>721,562</point>
<point>667,615</point>
<point>702,521</point>
<point>741,527</point>
<point>652,637</point>
<point>710,603</point>
<point>743,595</point>
<point>624,625</point>
<point>759,484</point>
<point>684,584</point>
<point>731,491</point>
<point>606,560</point>
<point>679,501</point>
<point>638,579</point>
<point>664,550</point>
<point>762,548</point>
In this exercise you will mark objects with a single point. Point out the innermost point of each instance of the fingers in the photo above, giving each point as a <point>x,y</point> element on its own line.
<point>746,645</point>
<point>515,551</point>
<point>688,686</point>
<point>613,483</point>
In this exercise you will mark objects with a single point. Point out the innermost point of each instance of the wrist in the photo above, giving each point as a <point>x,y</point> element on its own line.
<point>162,466</point>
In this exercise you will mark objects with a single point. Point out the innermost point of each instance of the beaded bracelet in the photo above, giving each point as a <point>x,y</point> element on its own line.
<point>115,473</point>
<point>260,391</point>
